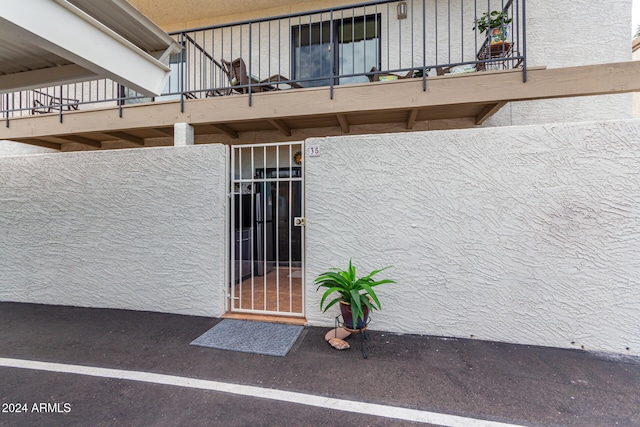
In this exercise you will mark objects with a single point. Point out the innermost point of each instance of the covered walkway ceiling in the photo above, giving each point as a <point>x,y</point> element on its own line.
<point>174,15</point>
<point>295,113</point>
<point>51,42</point>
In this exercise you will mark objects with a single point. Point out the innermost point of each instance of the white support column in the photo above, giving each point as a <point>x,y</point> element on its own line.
<point>182,134</point>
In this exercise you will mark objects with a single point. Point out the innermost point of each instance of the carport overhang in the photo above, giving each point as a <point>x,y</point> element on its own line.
<point>64,43</point>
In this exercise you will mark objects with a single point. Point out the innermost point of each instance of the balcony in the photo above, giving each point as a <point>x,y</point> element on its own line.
<point>369,67</point>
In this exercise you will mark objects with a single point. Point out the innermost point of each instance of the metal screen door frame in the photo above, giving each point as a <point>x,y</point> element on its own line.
<point>261,184</point>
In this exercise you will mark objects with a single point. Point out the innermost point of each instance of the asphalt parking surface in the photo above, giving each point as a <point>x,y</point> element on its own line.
<point>478,380</point>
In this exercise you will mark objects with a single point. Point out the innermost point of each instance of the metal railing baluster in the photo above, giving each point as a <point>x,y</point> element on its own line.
<point>331,57</point>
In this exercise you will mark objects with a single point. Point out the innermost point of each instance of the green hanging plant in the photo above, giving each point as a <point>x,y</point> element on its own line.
<point>492,20</point>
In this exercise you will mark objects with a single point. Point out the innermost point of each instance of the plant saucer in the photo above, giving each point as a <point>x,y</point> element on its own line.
<point>337,333</point>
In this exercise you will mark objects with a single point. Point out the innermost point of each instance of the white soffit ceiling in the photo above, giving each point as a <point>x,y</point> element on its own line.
<point>51,42</point>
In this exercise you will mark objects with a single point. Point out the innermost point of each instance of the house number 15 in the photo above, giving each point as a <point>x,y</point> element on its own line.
<point>314,151</point>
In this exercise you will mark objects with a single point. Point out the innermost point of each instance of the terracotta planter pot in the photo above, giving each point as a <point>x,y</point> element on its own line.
<point>347,316</point>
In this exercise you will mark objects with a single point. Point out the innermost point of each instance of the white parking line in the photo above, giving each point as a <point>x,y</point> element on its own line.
<point>365,408</point>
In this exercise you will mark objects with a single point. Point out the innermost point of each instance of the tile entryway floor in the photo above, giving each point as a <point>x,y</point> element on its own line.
<point>280,292</point>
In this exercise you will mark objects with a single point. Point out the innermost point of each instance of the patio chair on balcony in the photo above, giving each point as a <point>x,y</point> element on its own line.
<point>44,103</point>
<point>237,72</point>
<point>375,76</point>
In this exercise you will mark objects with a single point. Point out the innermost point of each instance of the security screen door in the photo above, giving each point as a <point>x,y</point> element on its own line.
<point>267,229</point>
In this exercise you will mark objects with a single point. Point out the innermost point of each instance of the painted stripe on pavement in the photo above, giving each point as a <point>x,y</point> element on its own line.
<point>364,408</point>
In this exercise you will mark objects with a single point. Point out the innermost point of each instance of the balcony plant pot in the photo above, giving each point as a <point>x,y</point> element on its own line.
<point>499,35</point>
<point>495,25</point>
<point>347,317</point>
<point>355,294</point>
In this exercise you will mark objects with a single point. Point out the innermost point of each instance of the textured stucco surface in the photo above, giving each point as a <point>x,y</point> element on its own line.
<point>521,234</point>
<point>635,56</point>
<point>137,229</point>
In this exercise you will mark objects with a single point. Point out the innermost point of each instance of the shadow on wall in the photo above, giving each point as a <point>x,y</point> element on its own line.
<point>12,148</point>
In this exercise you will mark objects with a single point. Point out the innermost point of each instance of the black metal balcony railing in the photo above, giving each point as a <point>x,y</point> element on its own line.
<point>382,40</point>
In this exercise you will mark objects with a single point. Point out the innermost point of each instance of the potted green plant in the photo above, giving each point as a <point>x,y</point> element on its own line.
<point>495,25</point>
<point>355,295</point>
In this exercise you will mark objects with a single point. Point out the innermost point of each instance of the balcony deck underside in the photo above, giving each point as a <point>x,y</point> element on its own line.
<point>298,113</point>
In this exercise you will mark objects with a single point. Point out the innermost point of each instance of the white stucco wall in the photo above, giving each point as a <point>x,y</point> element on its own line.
<point>139,229</point>
<point>636,96</point>
<point>520,234</point>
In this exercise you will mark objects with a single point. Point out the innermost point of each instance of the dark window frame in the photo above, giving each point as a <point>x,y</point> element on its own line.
<point>320,34</point>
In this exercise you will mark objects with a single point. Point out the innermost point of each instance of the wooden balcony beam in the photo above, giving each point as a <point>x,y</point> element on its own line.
<point>126,137</point>
<point>281,126</point>
<point>164,131</point>
<point>344,123</point>
<point>411,121</point>
<point>224,129</point>
<point>81,140</point>
<point>489,111</point>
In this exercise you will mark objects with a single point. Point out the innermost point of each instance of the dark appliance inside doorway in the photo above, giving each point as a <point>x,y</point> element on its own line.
<point>249,236</point>
<point>283,200</point>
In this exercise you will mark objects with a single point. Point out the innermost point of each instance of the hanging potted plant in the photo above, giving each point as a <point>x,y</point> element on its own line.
<point>355,296</point>
<point>495,25</point>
